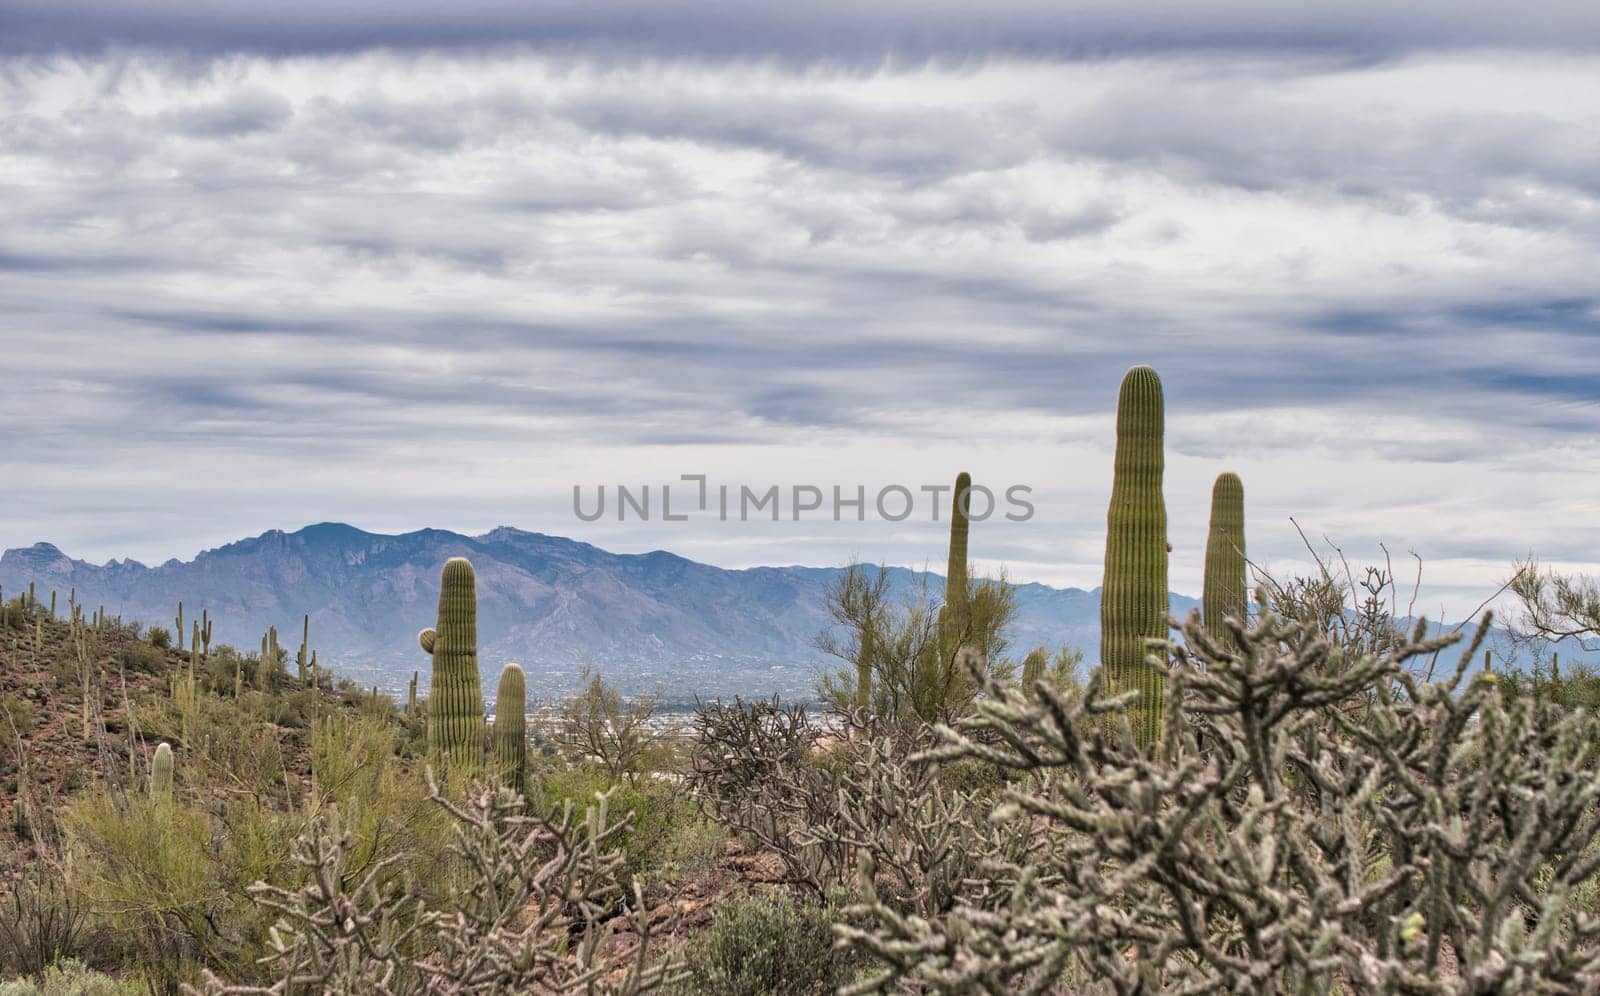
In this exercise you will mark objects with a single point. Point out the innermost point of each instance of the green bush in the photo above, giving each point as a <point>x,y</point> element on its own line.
<point>72,978</point>
<point>160,638</point>
<point>767,944</point>
<point>143,658</point>
<point>146,875</point>
<point>667,840</point>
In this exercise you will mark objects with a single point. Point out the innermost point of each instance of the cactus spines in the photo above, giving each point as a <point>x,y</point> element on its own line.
<point>455,703</point>
<point>1225,591</point>
<point>1133,597</point>
<point>161,773</point>
<point>511,727</point>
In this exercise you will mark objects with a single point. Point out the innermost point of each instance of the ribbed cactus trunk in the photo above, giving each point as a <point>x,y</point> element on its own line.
<point>1033,667</point>
<point>1133,597</point>
<point>1224,593</point>
<point>161,774</point>
<point>511,727</point>
<point>864,669</point>
<point>955,574</point>
<point>455,701</point>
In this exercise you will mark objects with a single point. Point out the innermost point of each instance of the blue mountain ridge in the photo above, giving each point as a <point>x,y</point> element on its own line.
<point>553,604</point>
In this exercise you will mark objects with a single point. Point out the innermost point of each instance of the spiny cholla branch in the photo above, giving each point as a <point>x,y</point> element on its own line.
<point>1308,822</point>
<point>535,906</point>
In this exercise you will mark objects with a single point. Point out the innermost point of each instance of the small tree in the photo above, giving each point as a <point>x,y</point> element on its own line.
<point>599,725</point>
<point>913,661</point>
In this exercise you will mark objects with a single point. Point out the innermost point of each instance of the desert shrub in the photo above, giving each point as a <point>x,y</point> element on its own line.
<point>40,923</point>
<point>1310,820</point>
<point>867,799</point>
<point>911,648</point>
<point>540,911</point>
<point>385,808</point>
<point>143,868</point>
<point>665,837</point>
<point>767,943</point>
<point>599,726</point>
<point>70,977</point>
<point>160,638</point>
<point>143,658</point>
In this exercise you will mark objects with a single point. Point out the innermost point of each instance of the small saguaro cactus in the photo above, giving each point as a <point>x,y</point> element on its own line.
<point>205,633</point>
<point>455,699</point>
<point>1225,590</point>
<point>511,727</point>
<point>177,628</point>
<point>1133,596</point>
<point>161,773</point>
<point>1033,667</point>
<point>411,696</point>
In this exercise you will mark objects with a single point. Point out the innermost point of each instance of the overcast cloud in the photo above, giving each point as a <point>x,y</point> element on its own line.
<point>413,270</point>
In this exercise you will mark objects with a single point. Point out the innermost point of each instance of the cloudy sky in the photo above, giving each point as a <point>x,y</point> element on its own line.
<point>438,266</point>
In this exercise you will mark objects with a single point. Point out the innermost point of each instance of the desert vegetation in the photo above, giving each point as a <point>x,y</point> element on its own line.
<point>1295,789</point>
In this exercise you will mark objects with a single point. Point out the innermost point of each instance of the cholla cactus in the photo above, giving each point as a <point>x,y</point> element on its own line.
<point>1310,824</point>
<point>1133,596</point>
<point>511,727</point>
<point>455,698</point>
<point>539,907</point>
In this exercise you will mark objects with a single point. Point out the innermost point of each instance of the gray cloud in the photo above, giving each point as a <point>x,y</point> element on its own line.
<point>832,29</point>
<point>440,287</point>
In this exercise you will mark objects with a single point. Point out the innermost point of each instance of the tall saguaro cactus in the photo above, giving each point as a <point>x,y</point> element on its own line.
<point>1133,597</point>
<point>1225,588</point>
<point>511,727</point>
<point>455,701</point>
<point>955,575</point>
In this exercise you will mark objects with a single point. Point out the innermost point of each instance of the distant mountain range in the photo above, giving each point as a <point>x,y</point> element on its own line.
<point>550,603</point>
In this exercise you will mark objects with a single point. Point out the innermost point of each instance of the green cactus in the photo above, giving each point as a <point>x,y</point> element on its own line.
<point>205,633</point>
<point>511,727</point>
<point>864,670</point>
<point>161,773</point>
<point>954,613</point>
<point>177,629</point>
<point>411,696</point>
<point>1225,590</point>
<point>455,701</point>
<point>1133,597</point>
<point>303,657</point>
<point>1033,667</point>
